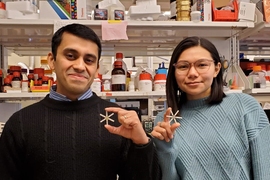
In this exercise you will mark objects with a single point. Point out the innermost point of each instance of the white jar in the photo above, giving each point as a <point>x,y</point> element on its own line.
<point>145,82</point>
<point>96,85</point>
<point>160,82</point>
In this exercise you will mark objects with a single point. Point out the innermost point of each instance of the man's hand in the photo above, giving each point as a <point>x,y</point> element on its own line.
<point>131,126</point>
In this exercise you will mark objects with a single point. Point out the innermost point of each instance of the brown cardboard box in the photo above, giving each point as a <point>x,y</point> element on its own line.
<point>221,3</point>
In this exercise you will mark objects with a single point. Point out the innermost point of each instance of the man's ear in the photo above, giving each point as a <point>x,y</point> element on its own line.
<point>50,60</point>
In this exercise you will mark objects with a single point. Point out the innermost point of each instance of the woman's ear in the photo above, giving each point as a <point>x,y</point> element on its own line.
<point>217,69</point>
<point>50,60</point>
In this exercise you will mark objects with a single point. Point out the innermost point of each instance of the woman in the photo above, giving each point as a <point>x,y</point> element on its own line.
<point>220,136</point>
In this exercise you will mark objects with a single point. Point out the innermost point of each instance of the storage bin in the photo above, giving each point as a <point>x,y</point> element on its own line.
<point>225,15</point>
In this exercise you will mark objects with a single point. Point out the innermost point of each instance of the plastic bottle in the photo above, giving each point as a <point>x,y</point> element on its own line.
<point>25,87</point>
<point>96,85</point>
<point>118,77</point>
<point>106,83</point>
<point>160,82</point>
<point>257,77</point>
<point>145,82</point>
<point>161,69</point>
<point>131,86</point>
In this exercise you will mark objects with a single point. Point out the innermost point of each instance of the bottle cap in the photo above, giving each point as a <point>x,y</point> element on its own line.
<point>119,55</point>
<point>145,76</point>
<point>7,80</point>
<point>257,68</point>
<point>16,74</point>
<point>118,63</point>
<point>45,78</point>
<point>43,61</point>
<point>15,68</point>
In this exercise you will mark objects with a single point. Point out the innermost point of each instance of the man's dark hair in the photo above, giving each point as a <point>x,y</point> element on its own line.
<point>78,30</point>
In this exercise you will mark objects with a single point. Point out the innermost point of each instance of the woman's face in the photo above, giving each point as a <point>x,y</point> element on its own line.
<point>194,72</point>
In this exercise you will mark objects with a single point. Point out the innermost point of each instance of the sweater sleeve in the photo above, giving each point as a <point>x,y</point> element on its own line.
<point>167,154</point>
<point>259,137</point>
<point>258,132</point>
<point>139,162</point>
<point>11,151</point>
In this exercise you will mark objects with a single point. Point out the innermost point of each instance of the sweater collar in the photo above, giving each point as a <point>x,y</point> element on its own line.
<point>71,105</point>
<point>195,103</point>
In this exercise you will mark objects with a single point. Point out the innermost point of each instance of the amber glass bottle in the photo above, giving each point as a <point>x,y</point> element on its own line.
<point>118,77</point>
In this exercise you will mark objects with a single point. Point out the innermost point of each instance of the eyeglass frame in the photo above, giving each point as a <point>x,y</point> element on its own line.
<point>192,64</point>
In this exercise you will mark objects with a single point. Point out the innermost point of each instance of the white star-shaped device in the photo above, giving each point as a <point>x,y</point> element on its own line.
<point>173,117</point>
<point>107,118</point>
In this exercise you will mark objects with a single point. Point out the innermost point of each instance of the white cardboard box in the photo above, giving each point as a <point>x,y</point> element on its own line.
<point>246,11</point>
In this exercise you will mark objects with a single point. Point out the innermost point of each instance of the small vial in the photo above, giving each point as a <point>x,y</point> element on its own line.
<point>24,81</point>
<point>16,81</point>
<point>7,85</point>
<point>106,83</point>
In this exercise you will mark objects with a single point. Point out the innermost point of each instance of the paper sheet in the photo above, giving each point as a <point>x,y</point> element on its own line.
<point>114,30</point>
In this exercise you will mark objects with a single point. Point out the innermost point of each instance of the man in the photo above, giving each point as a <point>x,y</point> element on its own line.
<point>63,136</point>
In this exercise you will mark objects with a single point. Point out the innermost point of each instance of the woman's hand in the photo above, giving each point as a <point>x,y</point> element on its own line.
<point>164,130</point>
<point>130,128</point>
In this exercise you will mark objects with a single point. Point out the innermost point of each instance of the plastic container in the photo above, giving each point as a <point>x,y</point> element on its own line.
<point>106,85</point>
<point>257,78</point>
<point>195,16</point>
<point>145,82</point>
<point>160,82</point>
<point>96,85</point>
<point>131,86</point>
<point>25,87</point>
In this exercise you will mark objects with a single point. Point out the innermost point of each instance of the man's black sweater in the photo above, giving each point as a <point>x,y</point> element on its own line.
<point>62,140</point>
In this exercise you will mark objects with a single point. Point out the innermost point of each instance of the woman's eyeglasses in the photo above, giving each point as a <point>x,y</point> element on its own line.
<point>201,66</point>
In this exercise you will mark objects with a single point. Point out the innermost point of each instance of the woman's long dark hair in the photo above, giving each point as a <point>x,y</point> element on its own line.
<point>175,96</point>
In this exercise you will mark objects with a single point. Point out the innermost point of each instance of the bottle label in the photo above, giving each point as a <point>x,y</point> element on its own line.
<point>118,79</point>
<point>16,84</point>
<point>160,85</point>
<point>25,86</point>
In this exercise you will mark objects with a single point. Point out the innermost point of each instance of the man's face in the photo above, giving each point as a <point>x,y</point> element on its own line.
<point>76,65</point>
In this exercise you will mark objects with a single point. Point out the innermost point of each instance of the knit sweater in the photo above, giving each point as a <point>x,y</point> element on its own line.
<point>230,140</point>
<point>63,140</point>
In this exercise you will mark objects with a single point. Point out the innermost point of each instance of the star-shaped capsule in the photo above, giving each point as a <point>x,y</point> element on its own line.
<point>173,117</point>
<point>107,118</point>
